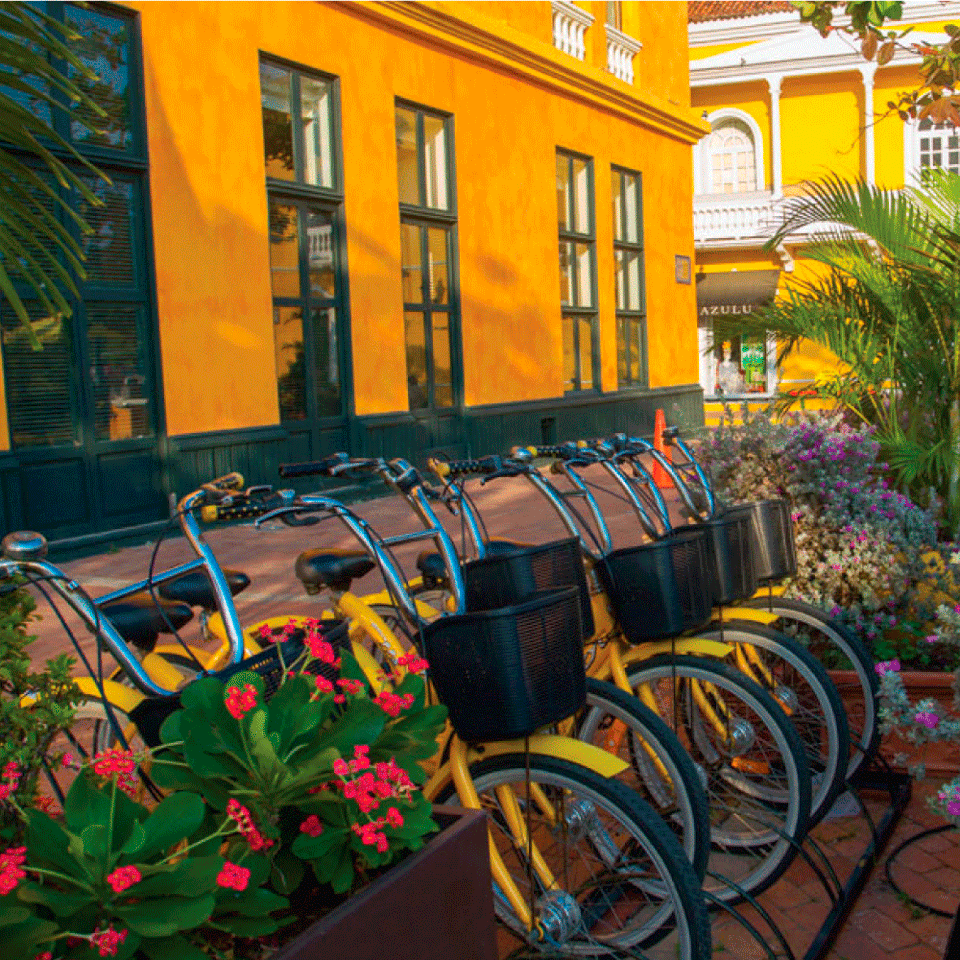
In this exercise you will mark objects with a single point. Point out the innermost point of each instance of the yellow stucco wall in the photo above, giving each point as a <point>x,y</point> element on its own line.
<point>210,215</point>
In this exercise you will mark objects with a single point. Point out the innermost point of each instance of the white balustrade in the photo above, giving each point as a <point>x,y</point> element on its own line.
<point>733,217</point>
<point>570,24</point>
<point>621,50</point>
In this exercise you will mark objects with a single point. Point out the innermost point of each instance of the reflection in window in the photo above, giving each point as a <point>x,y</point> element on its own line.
<point>626,191</point>
<point>733,161</point>
<point>938,146</point>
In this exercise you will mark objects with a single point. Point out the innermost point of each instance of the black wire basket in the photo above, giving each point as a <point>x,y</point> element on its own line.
<point>513,575</point>
<point>659,589</point>
<point>284,655</point>
<point>504,673</point>
<point>733,576</point>
<point>773,544</point>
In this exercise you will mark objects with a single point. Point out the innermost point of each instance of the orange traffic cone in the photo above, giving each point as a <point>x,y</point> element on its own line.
<point>660,476</point>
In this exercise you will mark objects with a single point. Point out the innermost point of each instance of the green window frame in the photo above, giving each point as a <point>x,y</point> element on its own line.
<point>96,379</point>
<point>578,272</point>
<point>428,249</point>
<point>629,277</point>
<point>300,111</point>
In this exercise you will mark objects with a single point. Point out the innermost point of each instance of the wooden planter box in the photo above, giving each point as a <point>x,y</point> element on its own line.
<point>436,904</point>
<point>939,759</point>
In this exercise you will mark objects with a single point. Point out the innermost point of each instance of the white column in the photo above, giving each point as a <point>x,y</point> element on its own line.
<point>776,166</point>
<point>868,71</point>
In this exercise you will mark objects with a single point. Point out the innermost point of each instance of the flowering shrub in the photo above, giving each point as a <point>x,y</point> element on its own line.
<point>316,785</point>
<point>865,553</point>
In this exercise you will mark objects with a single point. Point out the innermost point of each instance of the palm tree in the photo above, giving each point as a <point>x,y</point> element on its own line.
<point>888,307</point>
<point>37,248</point>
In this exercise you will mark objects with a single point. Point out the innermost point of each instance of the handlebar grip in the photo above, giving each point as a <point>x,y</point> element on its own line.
<point>312,468</point>
<point>220,513</point>
<point>229,481</point>
<point>450,469</point>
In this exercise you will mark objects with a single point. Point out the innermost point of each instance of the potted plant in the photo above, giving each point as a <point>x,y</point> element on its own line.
<point>278,810</point>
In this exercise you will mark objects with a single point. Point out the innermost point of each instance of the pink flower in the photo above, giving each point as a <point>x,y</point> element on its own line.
<point>932,638</point>
<point>107,941</point>
<point>394,817</point>
<point>953,808</point>
<point>115,761</point>
<point>233,877</point>
<point>413,663</point>
<point>240,702</point>
<point>324,685</point>
<point>10,873</point>
<point>312,826</point>
<point>927,719</point>
<point>241,816</point>
<point>123,878</point>
<point>887,666</point>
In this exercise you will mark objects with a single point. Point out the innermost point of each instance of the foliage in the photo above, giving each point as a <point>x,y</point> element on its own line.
<point>37,246</point>
<point>888,307</point>
<point>28,734</point>
<point>936,97</point>
<point>865,553</point>
<point>321,775</point>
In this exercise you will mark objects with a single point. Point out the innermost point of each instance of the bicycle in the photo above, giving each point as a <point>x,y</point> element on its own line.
<point>546,804</point>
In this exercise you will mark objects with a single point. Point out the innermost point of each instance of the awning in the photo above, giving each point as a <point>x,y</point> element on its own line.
<point>735,293</point>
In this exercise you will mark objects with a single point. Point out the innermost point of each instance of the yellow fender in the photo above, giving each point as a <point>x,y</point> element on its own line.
<point>692,645</point>
<point>547,745</point>
<point>753,614</point>
<point>122,697</point>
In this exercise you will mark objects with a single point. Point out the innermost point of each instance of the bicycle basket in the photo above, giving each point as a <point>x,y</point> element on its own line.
<point>659,589</point>
<point>505,673</point>
<point>729,556</point>
<point>270,664</point>
<point>771,527</point>
<point>514,575</point>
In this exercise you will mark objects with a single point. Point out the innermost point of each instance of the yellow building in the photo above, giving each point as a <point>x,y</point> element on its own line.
<point>390,228</point>
<point>784,106</point>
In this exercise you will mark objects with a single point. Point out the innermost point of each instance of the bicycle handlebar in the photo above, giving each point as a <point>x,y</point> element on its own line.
<point>327,467</point>
<point>451,469</point>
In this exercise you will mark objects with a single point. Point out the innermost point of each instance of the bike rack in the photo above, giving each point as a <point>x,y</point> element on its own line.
<point>876,778</point>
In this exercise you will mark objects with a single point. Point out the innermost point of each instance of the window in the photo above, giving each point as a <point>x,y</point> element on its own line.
<point>305,201</point>
<point>732,158</point>
<point>94,379</point>
<point>427,250</point>
<point>578,258</point>
<point>627,196</point>
<point>938,146</point>
<point>614,14</point>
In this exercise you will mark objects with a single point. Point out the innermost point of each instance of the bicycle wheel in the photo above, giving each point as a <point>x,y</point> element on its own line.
<point>838,648</point>
<point>753,763</point>
<point>622,886</point>
<point>660,770</point>
<point>800,684</point>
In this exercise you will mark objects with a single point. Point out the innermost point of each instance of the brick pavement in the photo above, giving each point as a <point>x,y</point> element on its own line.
<point>881,923</point>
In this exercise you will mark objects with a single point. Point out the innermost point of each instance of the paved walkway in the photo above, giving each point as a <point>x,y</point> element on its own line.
<point>881,924</point>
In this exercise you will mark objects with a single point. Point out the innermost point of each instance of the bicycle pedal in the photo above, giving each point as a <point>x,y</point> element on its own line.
<point>746,765</point>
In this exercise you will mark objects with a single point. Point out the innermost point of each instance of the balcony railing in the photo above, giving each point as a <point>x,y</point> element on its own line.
<point>570,24</point>
<point>734,217</point>
<point>621,50</point>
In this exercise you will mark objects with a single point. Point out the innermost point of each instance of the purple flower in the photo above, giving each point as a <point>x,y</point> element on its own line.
<point>932,638</point>
<point>953,808</point>
<point>887,666</point>
<point>927,719</point>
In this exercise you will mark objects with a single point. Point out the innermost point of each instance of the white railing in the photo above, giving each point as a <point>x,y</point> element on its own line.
<point>621,50</point>
<point>731,216</point>
<point>570,24</point>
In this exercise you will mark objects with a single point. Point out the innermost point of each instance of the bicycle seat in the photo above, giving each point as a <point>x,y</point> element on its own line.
<point>430,563</point>
<point>324,567</point>
<point>138,618</point>
<point>194,588</point>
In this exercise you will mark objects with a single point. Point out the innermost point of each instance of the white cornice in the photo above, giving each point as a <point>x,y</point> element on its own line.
<point>768,26</point>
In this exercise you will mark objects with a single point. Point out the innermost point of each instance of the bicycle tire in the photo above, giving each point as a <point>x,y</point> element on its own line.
<point>800,684</point>
<point>839,648</point>
<point>648,905</point>
<point>755,769</point>
<point>660,771</point>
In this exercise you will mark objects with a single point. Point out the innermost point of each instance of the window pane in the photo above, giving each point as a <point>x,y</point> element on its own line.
<point>564,215</point>
<point>284,250</point>
<point>616,195</point>
<point>290,363</point>
<point>632,270</point>
<point>581,196</point>
<point>584,274</point>
<point>413,325</point>
<point>326,364</point>
<point>39,398</point>
<point>585,347</point>
<point>632,213</point>
<point>622,348</point>
<point>104,48</point>
<point>439,279</point>
<point>566,273</point>
<point>411,269</point>
<point>407,163</point>
<point>118,372</point>
<point>275,97</point>
<point>109,249</point>
<point>569,354</point>
<point>636,349</point>
<point>435,159</point>
<point>442,379</point>
<point>320,254</point>
<point>620,274</point>
<point>315,110</point>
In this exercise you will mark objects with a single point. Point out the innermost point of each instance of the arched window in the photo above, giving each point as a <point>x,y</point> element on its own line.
<point>732,158</point>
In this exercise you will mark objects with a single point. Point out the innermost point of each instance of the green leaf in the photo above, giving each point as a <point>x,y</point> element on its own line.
<point>163,917</point>
<point>286,872</point>
<point>61,904</point>
<point>175,818</point>
<point>49,845</point>
<point>19,939</point>
<point>85,804</point>
<point>172,948</point>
